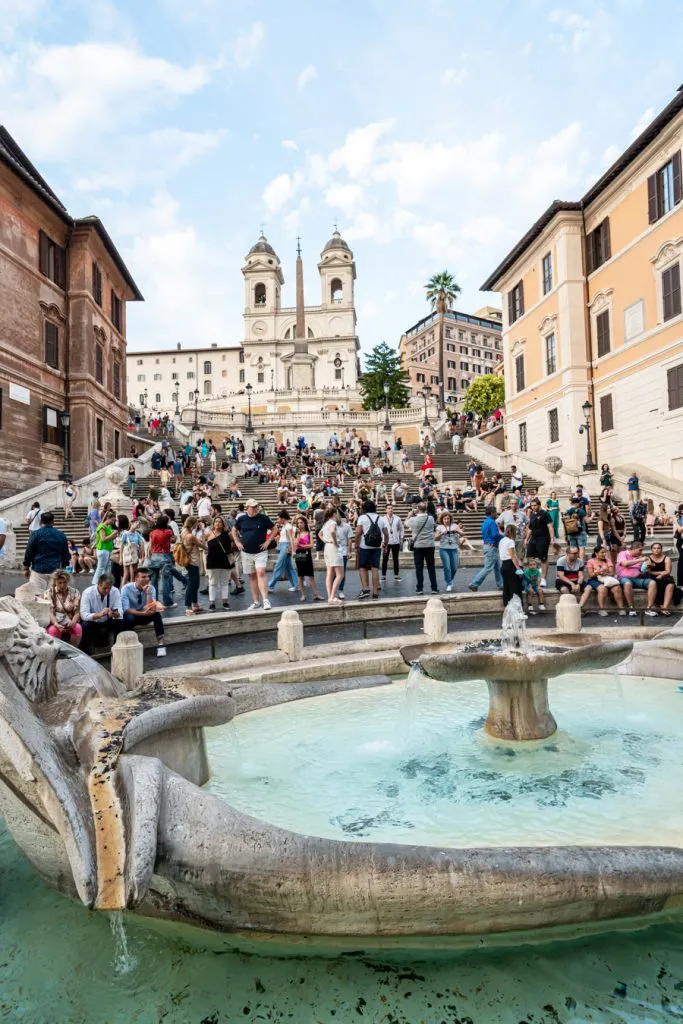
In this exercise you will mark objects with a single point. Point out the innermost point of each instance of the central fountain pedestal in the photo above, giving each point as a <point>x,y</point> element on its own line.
<point>519,710</point>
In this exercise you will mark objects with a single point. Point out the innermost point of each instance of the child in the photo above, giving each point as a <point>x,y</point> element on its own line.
<point>531,583</point>
<point>650,518</point>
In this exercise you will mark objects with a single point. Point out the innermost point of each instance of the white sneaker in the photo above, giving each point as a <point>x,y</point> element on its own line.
<point>449,588</point>
<point>293,590</point>
<point>161,652</point>
<point>541,607</point>
<point>622,612</point>
<point>253,606</point>
<point>341,595</point>
<point>603,613</point>
<point>266,606</point>
<point>544,583</point>
<point>651,612</point>
<point>632,611</point>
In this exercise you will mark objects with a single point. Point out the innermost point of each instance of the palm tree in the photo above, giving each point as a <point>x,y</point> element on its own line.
<point>442,291</point>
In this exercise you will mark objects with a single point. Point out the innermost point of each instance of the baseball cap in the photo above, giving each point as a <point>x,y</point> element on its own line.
<point>252,503</point>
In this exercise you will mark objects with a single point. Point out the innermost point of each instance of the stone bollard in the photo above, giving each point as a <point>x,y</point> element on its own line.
<point>568,615</point>
<point>290,635</point>
<point>31,596</point>
<point>435,621</point>
<point>126,658</point>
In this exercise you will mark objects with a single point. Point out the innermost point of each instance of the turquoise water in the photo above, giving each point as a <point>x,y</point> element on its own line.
<point>409,763</point>
<point>57,966</point>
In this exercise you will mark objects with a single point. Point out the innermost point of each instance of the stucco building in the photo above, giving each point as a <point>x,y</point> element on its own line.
<point>472,346</point>
<point>310,350</point>
<point>63,295</point>
<point>593,313</point>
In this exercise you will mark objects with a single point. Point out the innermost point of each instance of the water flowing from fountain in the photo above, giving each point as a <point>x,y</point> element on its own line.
<point>514,627</point>
<point>409,705</point>
<point>124,961</point>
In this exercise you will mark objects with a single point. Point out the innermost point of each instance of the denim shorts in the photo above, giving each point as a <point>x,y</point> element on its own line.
<point>580,539</point>
<point>369,558</point>
<point>639,583</point>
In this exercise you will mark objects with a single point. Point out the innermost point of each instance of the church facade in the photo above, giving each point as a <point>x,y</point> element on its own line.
<point>308,350</point>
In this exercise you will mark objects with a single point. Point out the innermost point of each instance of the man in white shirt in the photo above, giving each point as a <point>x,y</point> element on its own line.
<point>204,509</point>
<point>101,613</point>
<point>399,491</point>
<point>394,534</point>
<point>455,441</point>
<point>33,517</point>
<point>516,479</point>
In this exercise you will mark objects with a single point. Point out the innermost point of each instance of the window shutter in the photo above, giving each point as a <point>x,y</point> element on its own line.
<point>590,267</point>
<point>606,242</point>
<point>521,298</point>
<point>511,308</point>
<point>652,203</point>
<point>676,289</point>
<point>43,245</point>
<point>678,184</point>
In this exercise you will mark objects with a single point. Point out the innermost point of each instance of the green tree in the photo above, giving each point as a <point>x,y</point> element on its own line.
<point>485,395</point>
<point>383,365</point>
<point>442,291</point>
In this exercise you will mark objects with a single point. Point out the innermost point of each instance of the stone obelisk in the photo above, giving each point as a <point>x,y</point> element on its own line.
<point>302,362</point>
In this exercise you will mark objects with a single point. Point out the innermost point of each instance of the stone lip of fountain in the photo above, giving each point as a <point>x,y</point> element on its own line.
<point>516,672</point>
<point>100,789</point>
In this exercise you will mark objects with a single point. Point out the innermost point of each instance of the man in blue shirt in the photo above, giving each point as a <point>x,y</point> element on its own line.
<point>47,550</point>
<point>140,607</point>
<point>490,535</point>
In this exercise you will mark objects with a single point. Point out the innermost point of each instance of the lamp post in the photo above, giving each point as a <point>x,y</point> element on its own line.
<point>272,380</point>
<point>195,425</point>
<point>589,464</point>
<point>174,397</point>
<point>250,426</point>
<point>387,424</point>
<point>66,445</point>
<point>232,412</point>
<point>425,396</point>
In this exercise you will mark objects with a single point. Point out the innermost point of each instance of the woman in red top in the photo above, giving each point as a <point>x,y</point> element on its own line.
<point>426,465</point>
<point>160,559</point>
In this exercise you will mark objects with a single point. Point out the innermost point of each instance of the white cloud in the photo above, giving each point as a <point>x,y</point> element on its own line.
<point>290,144</point>
<point>14,14</point>
<point>308,74</point>
<point>456,75</point>
<point>575,26</point>
<point>642,122</point>
<point>247,45</point>
<point>292,220</point>
<point>63,97</point>
<point>357,155</point>
<point>279,191</point>
<point>347,198</point>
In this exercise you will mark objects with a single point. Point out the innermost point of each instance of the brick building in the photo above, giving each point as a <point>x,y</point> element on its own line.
<point>63,294</point>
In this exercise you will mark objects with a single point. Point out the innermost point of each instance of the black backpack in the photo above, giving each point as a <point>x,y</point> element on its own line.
<point>373,537</point>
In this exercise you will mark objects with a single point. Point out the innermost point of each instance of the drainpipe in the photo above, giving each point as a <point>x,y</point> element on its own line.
<point>589,344</point>
<point>67,337</point>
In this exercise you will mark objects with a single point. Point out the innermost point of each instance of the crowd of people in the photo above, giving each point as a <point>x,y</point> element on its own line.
<point>137,559</point>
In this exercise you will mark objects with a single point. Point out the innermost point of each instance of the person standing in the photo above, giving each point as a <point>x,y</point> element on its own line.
<point>455,442</point>
<point>369,538</point>
<point>539,536</point>
<point>638,510</point>
<point>344,539</point>
<point>139,607</point>
<point>46,551</point>
<point>633,485</point>
<point>422,528</point>
<point>219,563</point>
<point>191,548</point>
<point>303,556</point>
<point>334,561</point>
<point>510,566</point>
<point>553,507</point>
<point>491,536</point>
<point>252,534</point>
<point>70,496</point>
<point>284,565</point>
<point>448,534</point>
<point>160,561</point>
<point>33,517</point>
<point>395,533</point>
<point>105,535</point>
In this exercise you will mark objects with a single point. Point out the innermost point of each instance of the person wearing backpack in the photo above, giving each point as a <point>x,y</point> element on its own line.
<point>574,522</point>
<point>370,536</point>
<point>422,527</point>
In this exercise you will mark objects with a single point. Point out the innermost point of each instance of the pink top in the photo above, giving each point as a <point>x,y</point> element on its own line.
<point>625,571</point>
<point>596,568</point>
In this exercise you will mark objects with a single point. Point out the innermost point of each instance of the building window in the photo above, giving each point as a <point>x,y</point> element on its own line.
<point>337,373</point>
<point>207,367</point>
<point>452,384</point>
<point>139,362</point>
<point>190,375</point>
<point>553,426</point>
<point>464,366</point>
<point>448,332</point>
<point>606,414</point>
<point>190,396</point>
<point>157,376</point>
<point>141,378</point>
<point>99,434</point>
<point>488,355</point>
<point>259,295</point>
<point>241,376</point>
<point>117,380</point>
<point>522,437</point>
<point>96,283</point>
<point>664,189</point>
<point>463,350</point>
<point>141,400</point>
<point>434,379</point>
<point>598,246</point>
<point>51,430</point>
<point>547,273</point>
<point>117,444</point>
<point>52,260</point>
<point>99,364</point>
<point>465,384</point>
<point>259,378</point>
<point>157,398</point>
<point>519,376</point>
<point>336,290</point>
<point>450,363</point>
<point>550,354</point>
<point>515,304</point>
<point>450,348</point>
<point>602,331</point>
<point>116,311</point>
<point>174,376</point>
<point>224,373</point>
<point>674,381</point>
<point>52,344</point>
<point>671,292</point>
<point>241,357</point>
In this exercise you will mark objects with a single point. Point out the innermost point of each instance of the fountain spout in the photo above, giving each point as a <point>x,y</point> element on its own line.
<point>514,627</point>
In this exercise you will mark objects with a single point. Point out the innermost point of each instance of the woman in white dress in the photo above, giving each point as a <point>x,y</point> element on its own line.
<point>333,556</point>
<point>70,496</point>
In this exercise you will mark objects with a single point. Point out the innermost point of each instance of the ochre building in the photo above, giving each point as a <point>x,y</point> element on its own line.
<point>592,314</point>
<point>63,295</point>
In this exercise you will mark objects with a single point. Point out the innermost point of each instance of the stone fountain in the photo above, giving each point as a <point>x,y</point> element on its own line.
<point>516,672</point>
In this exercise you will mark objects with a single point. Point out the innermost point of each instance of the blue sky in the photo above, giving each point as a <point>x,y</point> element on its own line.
<point>434,132</point>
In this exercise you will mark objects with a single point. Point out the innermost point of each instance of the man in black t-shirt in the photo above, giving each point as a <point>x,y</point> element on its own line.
<point>252,534</point>
<point>539,536</point>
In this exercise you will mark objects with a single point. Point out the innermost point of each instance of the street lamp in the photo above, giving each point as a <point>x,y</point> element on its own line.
<point>66,445</point>
<point>585,428</point>
<point>174,397</point>
<point>387,424</point>
<point>195,425</point>
<point>425,396</point>
<point>272,380</point>
<point>232,412</point>
<point>250,425</point>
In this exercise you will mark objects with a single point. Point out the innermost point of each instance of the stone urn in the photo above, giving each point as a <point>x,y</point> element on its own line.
<point>553,463</point>
<point>115,475</point>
